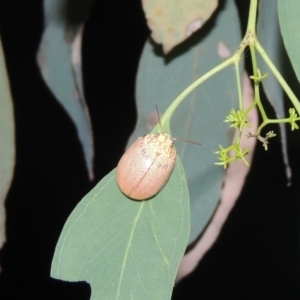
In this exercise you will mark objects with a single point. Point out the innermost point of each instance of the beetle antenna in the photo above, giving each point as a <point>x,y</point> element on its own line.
<point>187,141</point>
<point>161,128</point>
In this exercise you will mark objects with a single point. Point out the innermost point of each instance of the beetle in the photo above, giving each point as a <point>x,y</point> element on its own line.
<point>147,165</point>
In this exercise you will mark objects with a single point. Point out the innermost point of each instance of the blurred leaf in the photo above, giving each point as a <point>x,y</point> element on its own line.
<point>200,117</point>
<point>270,38</point>
<point>171,22</point>
<point>126,249</point>
<point>7,138</point>
<point>59,59</point>
<point>289,12</point>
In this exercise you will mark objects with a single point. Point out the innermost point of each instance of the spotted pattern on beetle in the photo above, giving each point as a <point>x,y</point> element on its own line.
<point>146,166</point>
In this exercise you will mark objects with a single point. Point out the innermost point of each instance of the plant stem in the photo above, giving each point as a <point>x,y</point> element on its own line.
<point>256,76</point>
<point>251,26</point>
<point>278,76</point>
<point>271,121</point>
<point>238,81</point>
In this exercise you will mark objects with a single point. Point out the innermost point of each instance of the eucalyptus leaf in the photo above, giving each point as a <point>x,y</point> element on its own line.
<point>59,60</point>
<point>200,117</point>
<point>289,12</point>
<point>171,22</point>
<point>126,249</point>
<point>269,35</point>
<point>7,145</point>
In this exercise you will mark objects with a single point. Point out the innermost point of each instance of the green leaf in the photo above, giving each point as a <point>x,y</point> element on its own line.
<point>126,249</point>
<point>289,12</point>
<point>59,60</point>
<point>171,22</point>
<point>269,36</point>
<point>200,117</point>
<point>7,138</point>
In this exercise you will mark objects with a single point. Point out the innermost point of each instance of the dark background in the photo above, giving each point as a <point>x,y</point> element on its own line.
<point>257,254</point>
